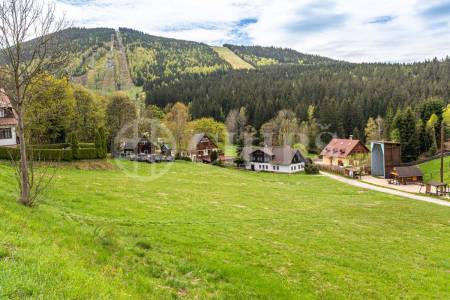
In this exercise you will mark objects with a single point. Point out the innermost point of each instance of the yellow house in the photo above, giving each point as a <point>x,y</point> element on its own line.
<point>343,152</point>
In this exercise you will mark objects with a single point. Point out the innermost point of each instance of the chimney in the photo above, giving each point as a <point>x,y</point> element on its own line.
<point>351,137</point>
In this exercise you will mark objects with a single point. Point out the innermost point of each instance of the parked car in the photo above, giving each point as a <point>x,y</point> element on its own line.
<point>142,157</point>
<point>132,157</point>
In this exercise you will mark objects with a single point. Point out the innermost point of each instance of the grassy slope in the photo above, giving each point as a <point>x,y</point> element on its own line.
<point>201,231</point>
<point>431,170</point>
<point>235,61</point>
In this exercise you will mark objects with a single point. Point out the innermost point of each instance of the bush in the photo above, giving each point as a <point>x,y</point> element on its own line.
<point>311,169</point>
<point>239,161</point>
<point>74,145</point>
<point>87,153</point>
<point>51,146</point>
<point>7,153</point>
<point>86,145</point>
<point>218,163</point>
<point>179,157</point>
<point>52,154</point>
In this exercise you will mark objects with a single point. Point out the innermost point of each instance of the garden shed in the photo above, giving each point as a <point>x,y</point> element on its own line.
<point>405,175</point>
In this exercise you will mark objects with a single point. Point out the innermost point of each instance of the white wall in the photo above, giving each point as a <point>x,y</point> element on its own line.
<point>267,167</point>
<point>12,141</point>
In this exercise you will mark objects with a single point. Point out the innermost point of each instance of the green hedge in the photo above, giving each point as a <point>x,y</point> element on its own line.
<point>86,145</point>
<point>87,153</point>
<point>51,146</point>
<point>52,154</point>
<point>62,146</point>
<point>6,153</point>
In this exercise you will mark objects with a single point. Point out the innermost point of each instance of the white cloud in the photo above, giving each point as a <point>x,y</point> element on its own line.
<point>342,29</point>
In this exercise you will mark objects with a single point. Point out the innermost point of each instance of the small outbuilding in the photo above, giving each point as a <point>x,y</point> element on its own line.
<point>385,156</point>
<point>405,175</point>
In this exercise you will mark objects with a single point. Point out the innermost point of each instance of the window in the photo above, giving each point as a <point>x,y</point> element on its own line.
<point>2,112</point>
<point>5,133</point>
<point>273,168</point>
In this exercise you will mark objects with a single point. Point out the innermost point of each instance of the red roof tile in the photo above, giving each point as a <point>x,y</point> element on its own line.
<point>341,148</point>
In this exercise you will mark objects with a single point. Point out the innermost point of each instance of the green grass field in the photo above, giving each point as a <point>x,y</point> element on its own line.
<point>201,232</point>
<point>229,56</point>
<point>432,170</point>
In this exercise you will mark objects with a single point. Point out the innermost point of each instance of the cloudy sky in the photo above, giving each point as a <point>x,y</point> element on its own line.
<point>352,30</point>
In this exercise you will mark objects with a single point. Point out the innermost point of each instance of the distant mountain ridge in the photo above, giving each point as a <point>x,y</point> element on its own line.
<point>98,62</point>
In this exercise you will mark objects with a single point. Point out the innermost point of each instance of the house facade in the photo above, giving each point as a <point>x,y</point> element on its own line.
<point>274,159</point>
<point>201,147</point>
<point>344,152</point>
<point>8,122</point>
<point>139,146</point>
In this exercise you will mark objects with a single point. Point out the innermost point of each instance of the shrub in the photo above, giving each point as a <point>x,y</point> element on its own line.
<point>179,157</point>
<point>7,153</point>
<point>74,145</point>
<point>51,146</point>
<point>214,156</point>
<point>87,153</point>
<point>52,154</point>
<point>239,161</point>
<point>218,163</point>
<point>86,145</point>
<point>100,143</point>
<point>311,169</point>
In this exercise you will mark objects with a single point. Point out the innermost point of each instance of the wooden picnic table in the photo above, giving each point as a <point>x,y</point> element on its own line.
<point>441,188</point>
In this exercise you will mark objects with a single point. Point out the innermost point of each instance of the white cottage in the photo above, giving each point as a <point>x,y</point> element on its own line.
<point>8,122</point>
<point>274,159</point>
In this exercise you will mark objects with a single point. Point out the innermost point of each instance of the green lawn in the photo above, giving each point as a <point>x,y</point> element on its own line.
<point>432,170</point>
<point>207,232</point>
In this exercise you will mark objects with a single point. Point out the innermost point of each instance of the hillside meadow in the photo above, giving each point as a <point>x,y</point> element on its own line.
<point>106,231</point>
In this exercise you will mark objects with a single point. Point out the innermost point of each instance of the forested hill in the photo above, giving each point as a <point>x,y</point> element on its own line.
<point>151,58</point>
<point>262,56</point>
<point>345,95</point>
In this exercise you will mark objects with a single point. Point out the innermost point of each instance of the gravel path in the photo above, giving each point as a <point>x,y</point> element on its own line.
<point>387,191</point>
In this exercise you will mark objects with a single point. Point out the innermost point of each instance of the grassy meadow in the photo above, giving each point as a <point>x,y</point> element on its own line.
<point>232,58</point>
<point>432,170</point>
<point>106,231</point>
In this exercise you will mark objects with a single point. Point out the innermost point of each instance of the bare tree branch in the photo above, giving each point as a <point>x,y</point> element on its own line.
<point>31,44</point>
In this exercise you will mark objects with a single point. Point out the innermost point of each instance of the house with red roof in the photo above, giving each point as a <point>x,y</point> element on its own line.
<point>8,121</point>
<point>344,152</point>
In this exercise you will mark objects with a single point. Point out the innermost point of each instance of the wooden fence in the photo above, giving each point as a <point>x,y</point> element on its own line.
<point>331,169</point>
<point>422,161</point>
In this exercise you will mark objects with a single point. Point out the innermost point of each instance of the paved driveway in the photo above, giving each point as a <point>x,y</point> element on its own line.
<point>386,190</point>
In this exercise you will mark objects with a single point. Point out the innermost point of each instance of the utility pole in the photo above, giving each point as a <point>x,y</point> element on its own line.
<point>442,150</point>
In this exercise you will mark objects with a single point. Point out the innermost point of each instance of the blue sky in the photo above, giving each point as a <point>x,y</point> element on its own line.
<point>352,30</point>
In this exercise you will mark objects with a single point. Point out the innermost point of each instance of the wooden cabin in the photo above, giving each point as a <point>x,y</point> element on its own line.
<point>343,152</point>
<point>406,175</point>
<point>139,146</point>
<point>201,147</point>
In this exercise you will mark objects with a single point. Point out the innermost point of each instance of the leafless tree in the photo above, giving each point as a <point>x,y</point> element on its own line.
<point>31,44</point>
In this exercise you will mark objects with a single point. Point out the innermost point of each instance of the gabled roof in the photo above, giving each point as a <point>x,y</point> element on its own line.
<point>6,103</point>
<point>195,140</point>
<point>280,155</point>
<point>4,100</point>
<point>412,171</point>
<point>284,155</point>
<point>341,148</point>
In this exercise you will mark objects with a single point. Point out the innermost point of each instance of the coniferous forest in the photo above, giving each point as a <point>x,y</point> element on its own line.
<point>345,95</point>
